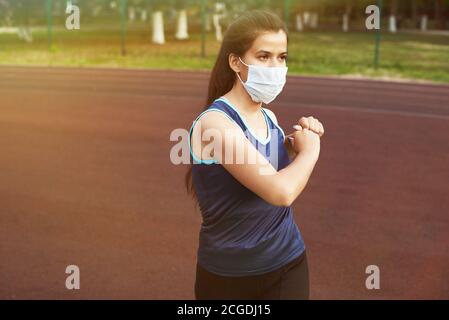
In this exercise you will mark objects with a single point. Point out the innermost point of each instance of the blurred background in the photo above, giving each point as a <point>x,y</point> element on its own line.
<point>327,37</point>
<point>87,110</point>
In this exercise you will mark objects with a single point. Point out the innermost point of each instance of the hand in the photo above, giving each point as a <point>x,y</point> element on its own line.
<point>312,124</point>
<point>304,140</point>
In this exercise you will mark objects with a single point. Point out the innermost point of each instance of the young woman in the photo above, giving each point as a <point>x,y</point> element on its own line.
<point>250,246</point>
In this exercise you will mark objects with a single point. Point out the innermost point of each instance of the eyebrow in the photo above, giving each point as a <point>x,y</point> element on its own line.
<point>268,52</point>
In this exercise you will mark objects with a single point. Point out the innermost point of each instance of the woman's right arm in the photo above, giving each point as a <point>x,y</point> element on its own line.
<point>279,188</point>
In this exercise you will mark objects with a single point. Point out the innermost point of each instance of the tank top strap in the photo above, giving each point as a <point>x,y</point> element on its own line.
<point>212,107</point>
<point>273,123</point>
<point>225,105</point>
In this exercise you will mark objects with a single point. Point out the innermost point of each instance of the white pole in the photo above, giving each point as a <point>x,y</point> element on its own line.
<point>345,26</point>
<point>218,33</point>
<point>424,23</point>
<point>219,13</point>
<point>158,28</point>
<point>299,25</point>
<point>182,26</point>
<point>131,14</point>
<point>306,18</point>
<point>392,25</point>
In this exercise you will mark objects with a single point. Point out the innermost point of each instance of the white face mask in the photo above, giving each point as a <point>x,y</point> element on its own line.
<point>264,83</point>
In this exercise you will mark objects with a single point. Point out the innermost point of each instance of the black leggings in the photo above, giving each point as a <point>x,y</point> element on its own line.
<point>289,282</point>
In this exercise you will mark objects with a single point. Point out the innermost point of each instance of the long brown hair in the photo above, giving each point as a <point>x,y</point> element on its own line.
<point>238,39</point>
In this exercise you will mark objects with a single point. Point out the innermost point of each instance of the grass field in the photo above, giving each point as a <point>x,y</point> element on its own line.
<point>403,55</point>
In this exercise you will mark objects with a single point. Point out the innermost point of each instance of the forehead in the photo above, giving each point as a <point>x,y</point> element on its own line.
<point>274,42</point>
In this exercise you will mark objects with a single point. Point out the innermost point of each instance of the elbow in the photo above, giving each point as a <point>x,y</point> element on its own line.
<point>283,198</point>
<point>286,200</point>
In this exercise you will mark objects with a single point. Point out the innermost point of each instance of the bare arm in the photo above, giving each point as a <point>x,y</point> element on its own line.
<point>279,188</point>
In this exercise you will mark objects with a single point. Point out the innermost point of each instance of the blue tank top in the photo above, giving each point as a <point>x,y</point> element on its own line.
<point>242,234</point>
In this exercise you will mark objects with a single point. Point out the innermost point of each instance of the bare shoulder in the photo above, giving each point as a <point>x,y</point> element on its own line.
<point>216,119</point>
<point>219,126</point>
<point>271,115</point>
<point>214,122</point>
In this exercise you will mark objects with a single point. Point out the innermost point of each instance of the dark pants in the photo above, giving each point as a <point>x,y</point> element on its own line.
<point>291,281</point>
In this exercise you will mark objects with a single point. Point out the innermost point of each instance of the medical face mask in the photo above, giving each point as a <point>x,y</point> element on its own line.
<point>264,84</point>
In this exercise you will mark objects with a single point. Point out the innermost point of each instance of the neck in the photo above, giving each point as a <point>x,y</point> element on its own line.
<point>242,100</point>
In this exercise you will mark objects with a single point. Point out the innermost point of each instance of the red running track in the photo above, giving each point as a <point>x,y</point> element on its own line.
<point>86,179</point>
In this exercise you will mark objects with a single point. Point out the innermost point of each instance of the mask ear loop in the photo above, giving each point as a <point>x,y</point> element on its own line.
<point>243,62</point>
<point>238,73</point>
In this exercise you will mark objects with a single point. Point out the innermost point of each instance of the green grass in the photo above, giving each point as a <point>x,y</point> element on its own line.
<point>403,55</point>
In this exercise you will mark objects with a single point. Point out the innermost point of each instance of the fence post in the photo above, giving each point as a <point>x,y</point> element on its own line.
<point>287,12</point>
<point>203,28</point>
<point>378,33</point>
<point>49,23</point>
<point>122,26</point>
